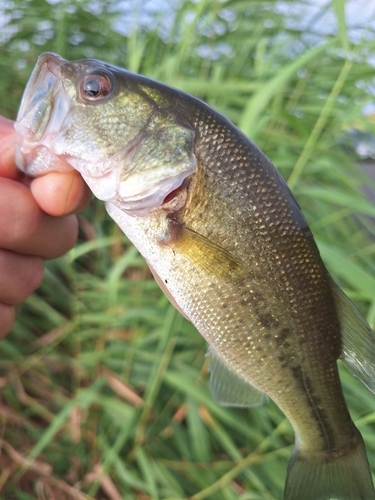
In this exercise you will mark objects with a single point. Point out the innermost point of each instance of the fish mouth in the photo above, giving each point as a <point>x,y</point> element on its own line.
<point>43,109</point>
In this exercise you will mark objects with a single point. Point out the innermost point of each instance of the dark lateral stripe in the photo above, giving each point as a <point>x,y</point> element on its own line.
<point>314,401</point>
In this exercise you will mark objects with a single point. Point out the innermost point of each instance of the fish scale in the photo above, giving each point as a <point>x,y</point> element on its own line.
<point>302,258</point>
<point>228,244</point>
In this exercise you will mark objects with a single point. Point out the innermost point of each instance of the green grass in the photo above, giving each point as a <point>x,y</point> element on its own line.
<point>104,386</point>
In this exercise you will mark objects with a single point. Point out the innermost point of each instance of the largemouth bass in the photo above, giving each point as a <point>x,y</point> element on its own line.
<point>226,241</point>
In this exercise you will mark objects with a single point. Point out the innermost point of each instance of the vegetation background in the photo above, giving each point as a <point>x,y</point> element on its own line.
<point>104,387</point>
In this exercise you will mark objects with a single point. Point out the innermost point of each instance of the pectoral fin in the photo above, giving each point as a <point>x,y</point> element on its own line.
<point>204,253</point>
<point>358,340</point>
<point>228,389</point>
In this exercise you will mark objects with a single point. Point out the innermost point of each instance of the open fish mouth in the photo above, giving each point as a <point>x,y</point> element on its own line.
<point>43,110</point>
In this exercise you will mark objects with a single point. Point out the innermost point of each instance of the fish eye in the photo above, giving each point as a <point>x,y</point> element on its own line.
<point>95,87</point>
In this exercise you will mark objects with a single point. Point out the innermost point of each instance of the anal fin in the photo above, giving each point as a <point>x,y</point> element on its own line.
<point>228,389</point>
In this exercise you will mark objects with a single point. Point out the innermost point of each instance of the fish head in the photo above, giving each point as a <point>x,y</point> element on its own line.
<point>116,128</point>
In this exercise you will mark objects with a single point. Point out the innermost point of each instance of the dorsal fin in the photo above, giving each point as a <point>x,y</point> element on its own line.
<point>358,340</point>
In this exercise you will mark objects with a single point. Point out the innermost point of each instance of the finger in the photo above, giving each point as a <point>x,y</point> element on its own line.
<point>26,229</point>
<point>7,137</point>
<point>20,275</point>
<point>7,315</point>
<point>61,193</point>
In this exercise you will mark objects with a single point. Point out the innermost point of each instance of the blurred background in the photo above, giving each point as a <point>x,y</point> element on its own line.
<point>104,386</point>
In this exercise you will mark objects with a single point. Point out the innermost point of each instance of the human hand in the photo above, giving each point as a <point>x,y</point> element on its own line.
<point>36,223</point>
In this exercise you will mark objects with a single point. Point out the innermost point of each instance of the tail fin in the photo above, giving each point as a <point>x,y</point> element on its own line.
<point>346,477</point>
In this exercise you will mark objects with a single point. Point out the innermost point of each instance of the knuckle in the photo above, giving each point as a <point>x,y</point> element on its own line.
<point>21,276</point>
<point>34,276</point>
<point>18,222</point>
<point>67,236</point>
